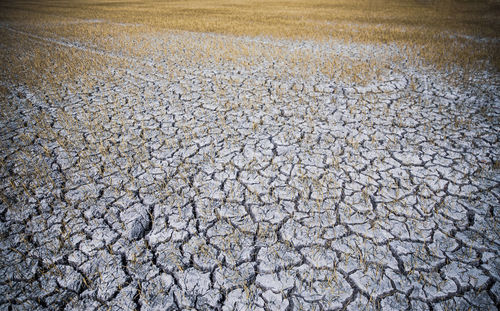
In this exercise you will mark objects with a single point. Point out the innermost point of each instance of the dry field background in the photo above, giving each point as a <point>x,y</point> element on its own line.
<point>249,155</point>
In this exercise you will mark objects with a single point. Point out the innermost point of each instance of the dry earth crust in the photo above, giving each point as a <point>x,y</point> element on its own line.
<point>225,187</point>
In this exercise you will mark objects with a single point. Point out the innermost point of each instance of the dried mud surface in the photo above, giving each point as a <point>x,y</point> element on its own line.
<point>230,188</point>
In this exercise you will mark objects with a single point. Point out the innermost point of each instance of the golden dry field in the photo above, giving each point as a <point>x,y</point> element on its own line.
<point>250,155</point>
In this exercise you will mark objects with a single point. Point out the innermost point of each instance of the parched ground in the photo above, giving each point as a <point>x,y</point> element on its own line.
<point>181,177</point>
